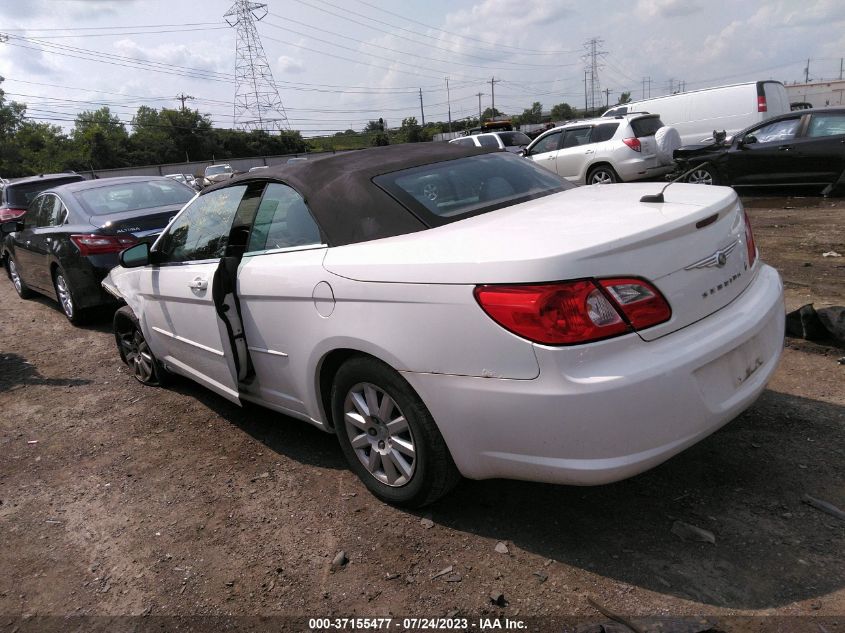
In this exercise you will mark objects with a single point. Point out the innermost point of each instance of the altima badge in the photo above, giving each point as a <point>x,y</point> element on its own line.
<point>717,259</point>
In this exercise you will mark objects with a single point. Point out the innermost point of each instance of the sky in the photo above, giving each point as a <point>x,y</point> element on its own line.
<point>340,63</point>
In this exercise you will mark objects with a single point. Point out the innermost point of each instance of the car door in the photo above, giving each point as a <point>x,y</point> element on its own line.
<point>766,155</point>
<point>575,152</point>
<point>25,244</point>
<point>190,310</point>
<point>544,151</point>
<point>284,296</point>
<point>821,147</point>
<point>42,242</point>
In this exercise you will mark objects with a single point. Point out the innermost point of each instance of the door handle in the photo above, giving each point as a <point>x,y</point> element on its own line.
<point>589,151</point>
<point>198,284</point>
<point>784,148</point>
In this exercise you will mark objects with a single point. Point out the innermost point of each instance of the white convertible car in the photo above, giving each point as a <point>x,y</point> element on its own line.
<point>452,311</point>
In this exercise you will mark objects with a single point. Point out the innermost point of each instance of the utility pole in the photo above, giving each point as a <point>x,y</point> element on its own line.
<point>607,97</point>
<point>449,102</point>
<point>807,72</point>
<point>183,98</point>
<point>841,59</point>
<point>257,104</point>
<point>493,82</point>
<point>479,95</point>
<point>647,82</point>
<point>422,112</point>
<point>585,93</point>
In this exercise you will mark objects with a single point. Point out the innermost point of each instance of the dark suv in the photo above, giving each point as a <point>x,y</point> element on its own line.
<point>16,195</point>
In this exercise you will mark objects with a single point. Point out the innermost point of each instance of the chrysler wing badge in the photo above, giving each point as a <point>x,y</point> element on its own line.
<point>716,260</point>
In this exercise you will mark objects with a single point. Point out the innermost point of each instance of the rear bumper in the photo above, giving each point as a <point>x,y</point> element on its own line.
<point>85,277</point>
<point>606,411</point>
<point>636,169</point>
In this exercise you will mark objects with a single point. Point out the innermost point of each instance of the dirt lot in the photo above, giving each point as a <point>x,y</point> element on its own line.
<point>116,499</point>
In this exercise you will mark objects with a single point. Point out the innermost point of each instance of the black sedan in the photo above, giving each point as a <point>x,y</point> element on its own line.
<point>800,148</point>
<point>71,235</point>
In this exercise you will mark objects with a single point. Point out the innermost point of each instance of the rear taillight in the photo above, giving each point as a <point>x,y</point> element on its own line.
<point>749,241</point>
<point>761,104</point>
<point>11,214</point>
<point>633,143</point>
<point>573,312</point>
<point>93,244</point>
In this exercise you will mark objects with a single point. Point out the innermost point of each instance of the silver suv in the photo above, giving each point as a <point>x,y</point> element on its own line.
<point>600,151</point>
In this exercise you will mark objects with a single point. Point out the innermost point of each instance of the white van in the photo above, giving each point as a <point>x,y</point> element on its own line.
<point>697,113</point>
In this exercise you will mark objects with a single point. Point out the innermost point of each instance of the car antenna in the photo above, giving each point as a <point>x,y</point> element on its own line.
<point>658,197</point>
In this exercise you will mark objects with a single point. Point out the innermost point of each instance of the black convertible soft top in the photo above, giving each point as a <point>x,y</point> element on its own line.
<point>340,193</point>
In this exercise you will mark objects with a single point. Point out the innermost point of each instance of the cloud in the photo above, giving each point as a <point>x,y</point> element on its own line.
<point>202,56</point>
<point>290,65</point>
<point>669,8</point>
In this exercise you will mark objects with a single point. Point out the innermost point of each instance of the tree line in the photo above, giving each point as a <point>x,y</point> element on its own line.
<point>100,140</point>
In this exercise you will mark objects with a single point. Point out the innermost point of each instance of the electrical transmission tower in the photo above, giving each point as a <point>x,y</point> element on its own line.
<point>258,105</point>
<point>593,92</point>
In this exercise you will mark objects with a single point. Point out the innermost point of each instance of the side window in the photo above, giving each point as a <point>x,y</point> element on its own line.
<point>826,125</point>
<point>467,142</point>
<point>547,143</point>
<point>580,136</point>
<point>604,132</point>
<point>202,229</point>
<point>488,141</point>
<point>52,212</point>
<point>33,213</point>
<point>776,132</point>
<point>282,221</point>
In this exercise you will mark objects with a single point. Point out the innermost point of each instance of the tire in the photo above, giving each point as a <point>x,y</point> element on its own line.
<point>602,175</point>
<point>20,287</point>
<point>134,350</point>
<point>704,175</point>
<point>66,299</point>
<point>399,453</point>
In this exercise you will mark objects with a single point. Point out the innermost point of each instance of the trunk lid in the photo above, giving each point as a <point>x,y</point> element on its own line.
<point>596,231</point>
<point>145,224</point>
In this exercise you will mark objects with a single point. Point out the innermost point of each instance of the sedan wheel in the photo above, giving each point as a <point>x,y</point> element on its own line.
<point>20,287</point>
<point>134,349</point>
<point>64,294</point>
<point>379,434</point>
<point>702,176</point>
<point>388,435</point>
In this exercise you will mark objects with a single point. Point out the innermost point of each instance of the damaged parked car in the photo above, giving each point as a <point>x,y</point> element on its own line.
<point>514,326</point>
<point>804,148</point>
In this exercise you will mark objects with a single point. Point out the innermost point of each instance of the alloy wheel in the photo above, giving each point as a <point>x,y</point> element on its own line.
<point>16,278</point>
<point>601,177</point>
<point>701,177</point>
<point>380,434</point>
<point>138,355</point>
<point>65,297</point>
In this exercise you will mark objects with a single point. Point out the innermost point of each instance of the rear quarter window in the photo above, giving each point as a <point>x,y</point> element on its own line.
<point>646,126</point>
<point>604,132</point>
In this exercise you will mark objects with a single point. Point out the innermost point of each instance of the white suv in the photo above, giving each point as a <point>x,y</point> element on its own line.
<point>599,151</point>
<point>510,141</point>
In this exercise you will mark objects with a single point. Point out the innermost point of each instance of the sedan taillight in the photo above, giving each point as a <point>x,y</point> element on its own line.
<point>633,143</point>
<point>92,244</point>
<point>574,312</point>
<point>11,214</point>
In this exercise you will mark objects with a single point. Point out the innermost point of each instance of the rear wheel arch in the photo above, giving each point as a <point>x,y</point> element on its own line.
<point>599,165</point>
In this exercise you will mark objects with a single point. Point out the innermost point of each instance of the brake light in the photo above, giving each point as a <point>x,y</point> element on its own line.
<point>761,104</point>
<point>11,214</point>
<point>633,143</point>
<point>574,312</point>
<point>749,241</point>
<point>93,244</point>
